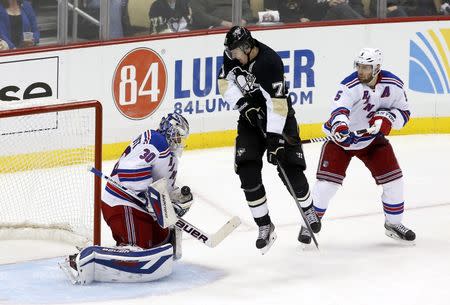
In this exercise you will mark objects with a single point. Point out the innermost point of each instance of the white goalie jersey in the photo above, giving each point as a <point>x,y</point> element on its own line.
<point>355,103</point>
<point>148,158</point>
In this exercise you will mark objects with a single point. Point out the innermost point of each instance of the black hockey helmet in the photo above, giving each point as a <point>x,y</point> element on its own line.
<point>238,37</point>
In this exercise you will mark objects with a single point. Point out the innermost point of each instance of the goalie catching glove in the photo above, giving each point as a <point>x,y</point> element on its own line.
<point>182,200</point>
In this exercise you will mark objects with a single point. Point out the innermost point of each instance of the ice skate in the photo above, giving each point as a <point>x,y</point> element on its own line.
<point>266,237</point>
<point>304,236</point>
<point>400,232</point>
<point>313,219</point>
<point>69,267</point>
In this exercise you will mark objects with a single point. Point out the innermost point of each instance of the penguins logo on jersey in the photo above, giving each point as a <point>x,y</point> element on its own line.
<point>244,80</point>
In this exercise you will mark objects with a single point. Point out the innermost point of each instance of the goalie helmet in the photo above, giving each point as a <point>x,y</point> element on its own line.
<point>371,57</point>
<point>176,129</point>
<point>238,37</point>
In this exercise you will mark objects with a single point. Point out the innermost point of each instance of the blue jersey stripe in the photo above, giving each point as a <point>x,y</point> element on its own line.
<point>137,170</point>
<point>136,178</point>
<point>391,83</point>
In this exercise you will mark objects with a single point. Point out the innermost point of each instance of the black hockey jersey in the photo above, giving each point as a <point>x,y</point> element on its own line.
<point>263,80</point>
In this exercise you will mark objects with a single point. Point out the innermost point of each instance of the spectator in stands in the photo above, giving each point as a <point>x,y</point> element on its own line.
<point>394,9</point>
<point>295,10</point>
<point>445,8</point>
<point>117,13</point>
<point>169,16</point>
<point>423,7</point>
<point>342,9</point>
<point>18,25</point>
<point>217,13</point>
<point>313,10</point>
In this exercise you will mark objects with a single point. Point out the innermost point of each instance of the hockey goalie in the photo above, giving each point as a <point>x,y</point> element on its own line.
<point>147,241</point>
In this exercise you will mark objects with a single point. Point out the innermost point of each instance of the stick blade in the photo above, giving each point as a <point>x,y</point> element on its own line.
<point>223,232</point>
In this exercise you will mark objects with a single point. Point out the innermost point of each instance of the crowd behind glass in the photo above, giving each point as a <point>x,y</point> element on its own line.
<point>31,23</point>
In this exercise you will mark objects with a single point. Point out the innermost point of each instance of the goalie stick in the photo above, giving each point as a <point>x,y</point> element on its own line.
<point>210,240</point>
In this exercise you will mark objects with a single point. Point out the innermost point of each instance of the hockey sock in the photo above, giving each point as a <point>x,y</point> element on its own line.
<point>393,201</point>
<point>322,193</point>
<point>257,202</point>
<point>305,201</point>
<point>263,221</point>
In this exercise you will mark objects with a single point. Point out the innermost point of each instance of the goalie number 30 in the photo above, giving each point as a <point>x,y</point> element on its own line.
<point>139,83</point>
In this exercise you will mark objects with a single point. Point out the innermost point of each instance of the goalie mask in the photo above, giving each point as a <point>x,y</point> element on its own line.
<point>176,129</point>
<point>238,37</point>
<point>371,57</point>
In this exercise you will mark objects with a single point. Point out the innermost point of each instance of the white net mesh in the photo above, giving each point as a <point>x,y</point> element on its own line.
<point>45,188</point>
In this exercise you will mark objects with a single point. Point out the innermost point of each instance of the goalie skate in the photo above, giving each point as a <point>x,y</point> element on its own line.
<point>400,233</point>
<point>266,238</point>
<point>69,267</point>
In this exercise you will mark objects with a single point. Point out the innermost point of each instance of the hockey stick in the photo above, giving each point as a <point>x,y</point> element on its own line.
<point>291,190</point>
<point>211,240</point>
<point>371,130</point>
<point>165,216</point>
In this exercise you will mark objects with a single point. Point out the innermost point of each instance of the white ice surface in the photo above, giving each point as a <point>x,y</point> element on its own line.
<point>356,265</point>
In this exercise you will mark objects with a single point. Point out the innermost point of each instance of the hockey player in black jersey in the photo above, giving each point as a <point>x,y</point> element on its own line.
<point>252,81</point>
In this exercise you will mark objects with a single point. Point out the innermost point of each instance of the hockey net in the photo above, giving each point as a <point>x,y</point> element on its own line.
<point>46,191</point>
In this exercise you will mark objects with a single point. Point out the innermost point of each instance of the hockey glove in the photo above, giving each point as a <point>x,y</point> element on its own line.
<point>387,119</point>
<point>342,134</point>
<point>275,148</point>
<point>249,110</point>
<point>182,200</point>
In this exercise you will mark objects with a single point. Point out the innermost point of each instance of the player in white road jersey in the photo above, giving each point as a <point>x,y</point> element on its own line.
<point>365,96</point>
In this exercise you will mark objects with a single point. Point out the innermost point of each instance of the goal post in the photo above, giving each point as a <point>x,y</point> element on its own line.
<point>46,191</point>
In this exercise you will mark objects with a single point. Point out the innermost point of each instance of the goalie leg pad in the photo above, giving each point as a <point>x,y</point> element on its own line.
<point>123,264</point>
